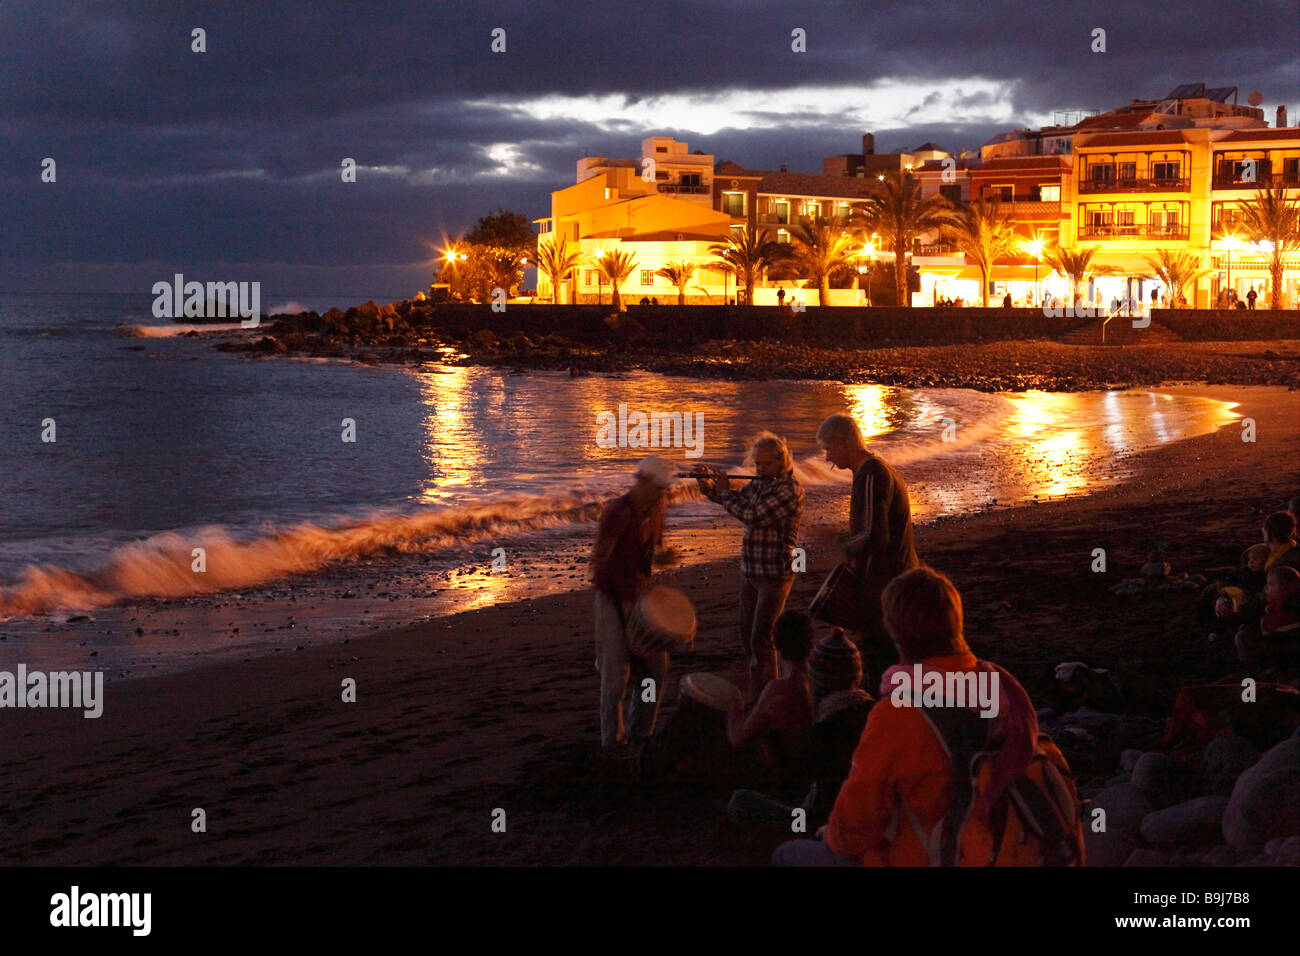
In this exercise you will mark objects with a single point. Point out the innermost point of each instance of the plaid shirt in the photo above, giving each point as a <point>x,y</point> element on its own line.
<point>770,511</point>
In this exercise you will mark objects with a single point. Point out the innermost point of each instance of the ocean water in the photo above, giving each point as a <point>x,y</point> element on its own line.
<point>164,445</point>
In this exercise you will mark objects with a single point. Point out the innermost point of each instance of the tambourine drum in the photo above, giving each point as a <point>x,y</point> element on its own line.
<point>839,602</point>
<point>692,745</point>
<point>663,620</point>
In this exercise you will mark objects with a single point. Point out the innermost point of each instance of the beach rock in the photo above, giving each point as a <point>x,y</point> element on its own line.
<point>1128,759</point>
<point>1144,857</point>
<point>1265,802</point>
<point>1196,821</point>
<point>485,338</point>
<point>1286,852</point>
<point>1221,855</point>
<point>1164,779</point>
<point>1227,757</point>
<point>1125,807</point>
<point>1109,848</point>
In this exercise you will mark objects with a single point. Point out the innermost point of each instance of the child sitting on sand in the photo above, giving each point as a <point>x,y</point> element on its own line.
<point>1276,640</point>
<point>776,732</point>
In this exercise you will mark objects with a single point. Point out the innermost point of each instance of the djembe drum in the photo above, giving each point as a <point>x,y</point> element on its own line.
<point>663,620</point>
<point>692,745</point>
<point>839,600</point>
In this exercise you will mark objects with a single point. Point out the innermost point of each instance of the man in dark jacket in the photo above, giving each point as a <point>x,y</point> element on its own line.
<point>879,545</point>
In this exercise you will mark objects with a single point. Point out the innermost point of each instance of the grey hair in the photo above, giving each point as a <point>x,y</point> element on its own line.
<point>768,440</point>
<point>840,428</point>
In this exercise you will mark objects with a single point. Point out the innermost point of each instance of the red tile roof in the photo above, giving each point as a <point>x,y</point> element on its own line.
<point>1153,137</point>
<point>1237,136</point>
<point>807,184</point>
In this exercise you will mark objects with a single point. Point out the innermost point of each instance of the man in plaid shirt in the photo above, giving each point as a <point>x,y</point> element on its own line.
<point>770,507</point>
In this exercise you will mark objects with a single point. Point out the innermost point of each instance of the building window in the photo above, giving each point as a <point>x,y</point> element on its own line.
<point>733,204</point>
<point>1098,218</point>
<point>647,277</point>
<point>738,233</point>
<point>1291,169</point>
<point>951,193</point>
<point>1125,217</point>
<point>589,277</point>
<point>999,193</point>
<point>782,236</point>
<point>1101,172</point>
<point>690,179</point>
<point>661,176</point>
<point>782,212</point>
<point>1049,193</point>
<point>1164,170</point>
<point>1128,171</point>
<point>661,149</point>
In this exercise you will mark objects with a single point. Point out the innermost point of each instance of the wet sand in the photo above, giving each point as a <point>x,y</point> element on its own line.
<point>495,708</point>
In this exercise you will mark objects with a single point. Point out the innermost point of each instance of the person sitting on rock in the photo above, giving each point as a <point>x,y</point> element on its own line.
<point>901,787</point>
<point>842,707</point>
<point>1280,536</point>
<point>1275,641</point>
<point>776,731</point>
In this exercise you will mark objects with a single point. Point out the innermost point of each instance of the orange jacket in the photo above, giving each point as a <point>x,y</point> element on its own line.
<point>897,755</point>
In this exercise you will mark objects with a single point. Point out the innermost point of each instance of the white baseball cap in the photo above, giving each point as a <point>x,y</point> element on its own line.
<point>660,471</point>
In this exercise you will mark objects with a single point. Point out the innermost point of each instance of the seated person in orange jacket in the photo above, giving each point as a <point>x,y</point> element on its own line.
<point>899,764</point>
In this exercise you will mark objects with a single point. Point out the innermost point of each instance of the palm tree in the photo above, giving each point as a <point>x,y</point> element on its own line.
<point>503,266</point>
<point>820,250</point>
<point>1270,218</point>
<point>985,235</point>
<point>1176,269</point>
<point>896,210</point>
<point>748,256</point>
<point>556,261</point>
<point>1075,263</point>
<point>616,265</point>
<point>680,274</point>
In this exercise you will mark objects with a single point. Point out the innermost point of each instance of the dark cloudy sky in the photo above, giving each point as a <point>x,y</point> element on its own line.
<point>225,164</point>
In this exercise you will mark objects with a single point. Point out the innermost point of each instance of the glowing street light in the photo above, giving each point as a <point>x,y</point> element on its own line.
<point>1035,248</point>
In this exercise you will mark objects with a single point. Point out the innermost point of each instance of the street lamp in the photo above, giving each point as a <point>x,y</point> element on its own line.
<point>1035,248</point>
<point>868,250</point>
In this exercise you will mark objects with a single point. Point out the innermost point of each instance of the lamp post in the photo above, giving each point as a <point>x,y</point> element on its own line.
<point>1035,248</point>
<point>868,250</point>
<point>1229,242</point>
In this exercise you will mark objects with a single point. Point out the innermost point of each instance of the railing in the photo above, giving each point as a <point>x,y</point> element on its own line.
<point>1261,181</point>
<point>1140,231</point>
<point>773,219</point>
<point>1134,185</point>
<point>1031,207</point>
<point>934,249</point>
<point>679,188</point>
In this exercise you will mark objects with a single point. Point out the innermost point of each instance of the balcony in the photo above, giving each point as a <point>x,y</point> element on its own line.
<point>1134,185</point>
<point>774,219</point>
<point>1261,181</point>
<point>1138,231</point>
<point>678,188</point>
<point>934,250</point>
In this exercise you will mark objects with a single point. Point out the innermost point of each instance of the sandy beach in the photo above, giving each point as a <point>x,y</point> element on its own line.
<point>495,708</point>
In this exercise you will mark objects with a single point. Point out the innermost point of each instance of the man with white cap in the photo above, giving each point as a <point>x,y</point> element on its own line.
<point>627,544</point>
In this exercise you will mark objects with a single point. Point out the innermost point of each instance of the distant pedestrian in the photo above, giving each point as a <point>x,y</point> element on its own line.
<point>780,297</point>
<point>1251,296</point>
<point>645,300</point>
<point>655,300</point>
<point>1006,301</point>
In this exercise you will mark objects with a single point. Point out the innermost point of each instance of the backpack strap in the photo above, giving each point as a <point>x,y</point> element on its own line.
<point>963,735</point>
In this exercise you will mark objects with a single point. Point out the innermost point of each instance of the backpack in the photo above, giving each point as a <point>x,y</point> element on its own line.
<point>1035,822</point>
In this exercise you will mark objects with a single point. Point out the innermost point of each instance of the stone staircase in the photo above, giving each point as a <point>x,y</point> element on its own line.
<point>1119,331</point>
